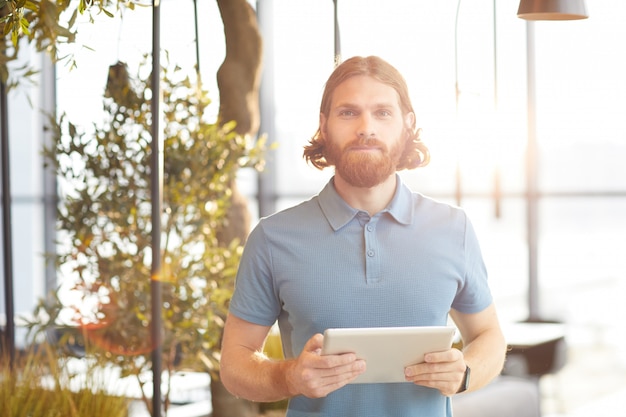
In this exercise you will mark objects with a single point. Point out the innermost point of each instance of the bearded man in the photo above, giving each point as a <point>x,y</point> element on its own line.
<point>365,252</point>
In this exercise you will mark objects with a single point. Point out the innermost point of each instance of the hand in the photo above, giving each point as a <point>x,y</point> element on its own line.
<point>443,371</point>
<point>316,376</point>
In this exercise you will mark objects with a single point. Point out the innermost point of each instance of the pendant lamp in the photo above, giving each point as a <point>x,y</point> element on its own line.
<point>552,10</point>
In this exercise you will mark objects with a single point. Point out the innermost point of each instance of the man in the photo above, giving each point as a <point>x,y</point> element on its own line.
<point>365,252</point>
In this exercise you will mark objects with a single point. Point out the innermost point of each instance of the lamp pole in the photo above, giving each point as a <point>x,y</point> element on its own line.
<point>337,33</point>
<point>532,194</point>
<point>157,202</point>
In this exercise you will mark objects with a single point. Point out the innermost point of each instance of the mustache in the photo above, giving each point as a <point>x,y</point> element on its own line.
<point>363,142</point>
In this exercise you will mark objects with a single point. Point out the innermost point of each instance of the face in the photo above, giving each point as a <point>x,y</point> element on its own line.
<point>365,131</point>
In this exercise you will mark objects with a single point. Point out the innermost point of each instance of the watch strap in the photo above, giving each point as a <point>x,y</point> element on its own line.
<point>466,380</point>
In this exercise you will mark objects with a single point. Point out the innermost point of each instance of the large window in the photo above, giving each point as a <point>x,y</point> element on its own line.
<point>478,138</point>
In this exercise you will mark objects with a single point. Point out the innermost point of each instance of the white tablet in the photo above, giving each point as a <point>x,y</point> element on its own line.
<point>388,350</point>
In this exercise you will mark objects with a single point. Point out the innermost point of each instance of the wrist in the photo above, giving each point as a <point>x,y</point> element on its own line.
<point>287,370</point>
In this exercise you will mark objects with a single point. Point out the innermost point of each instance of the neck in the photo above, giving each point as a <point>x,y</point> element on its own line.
<point>370,199</point>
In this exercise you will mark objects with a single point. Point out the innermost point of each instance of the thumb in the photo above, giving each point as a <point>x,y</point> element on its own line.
<point>314,344</point>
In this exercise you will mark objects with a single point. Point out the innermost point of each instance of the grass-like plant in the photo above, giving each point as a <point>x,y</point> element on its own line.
<point>37,384</point>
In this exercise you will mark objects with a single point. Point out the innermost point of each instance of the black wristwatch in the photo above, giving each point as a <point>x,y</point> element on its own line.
<point>466,380</point>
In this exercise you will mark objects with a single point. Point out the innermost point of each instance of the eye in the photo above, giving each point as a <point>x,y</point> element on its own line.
<point>384,113</point>
<point>347,113</point>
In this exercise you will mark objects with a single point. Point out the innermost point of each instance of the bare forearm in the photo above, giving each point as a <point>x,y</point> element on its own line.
<point>253,376</point>
<point>247,373</point>
<point>485,357</point>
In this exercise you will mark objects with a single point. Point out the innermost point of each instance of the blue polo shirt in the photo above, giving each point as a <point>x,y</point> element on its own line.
<point>324,264</point>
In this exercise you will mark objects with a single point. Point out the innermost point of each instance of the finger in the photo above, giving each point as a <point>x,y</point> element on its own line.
<point>423,369</point>
<point>441,376</point>
<point>446,388</point>
<point>435,370</point>
<point>340,376</point>
<point>336,362</point>
<point>349,369</point>
<point>319,382</point>
<point>450,355</point>
<point>434,377</point>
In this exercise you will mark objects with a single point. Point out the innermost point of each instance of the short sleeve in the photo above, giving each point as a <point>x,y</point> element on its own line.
<point>255,298</point>
<point>474,295</point>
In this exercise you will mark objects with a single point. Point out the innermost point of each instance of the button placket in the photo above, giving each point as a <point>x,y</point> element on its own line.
<point>372,263</point>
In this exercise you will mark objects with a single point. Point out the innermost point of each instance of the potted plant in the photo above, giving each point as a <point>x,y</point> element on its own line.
<point>104,225</point>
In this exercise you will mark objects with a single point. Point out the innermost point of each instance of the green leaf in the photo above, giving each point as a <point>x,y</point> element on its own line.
<point>24,25</point>
<point>30,5</point>
<point>106,218</point>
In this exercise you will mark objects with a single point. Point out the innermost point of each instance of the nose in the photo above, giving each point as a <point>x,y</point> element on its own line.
<point>366,128</point>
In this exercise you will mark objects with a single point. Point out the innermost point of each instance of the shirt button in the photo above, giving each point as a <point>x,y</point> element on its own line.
<point>370,253</point>
<point>369,228</point>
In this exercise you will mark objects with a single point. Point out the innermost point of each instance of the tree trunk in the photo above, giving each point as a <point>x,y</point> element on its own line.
<point>239,76</point>
<point>238,80</point>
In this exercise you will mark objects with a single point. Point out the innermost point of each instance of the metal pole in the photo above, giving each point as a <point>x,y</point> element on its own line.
<point>9,339</point>
<point>495,57</point>
<point>267,179</point>
<point>497,190</point>
<point>531,177</point>
<point>458,191</point>
<point>337,34</point>
<point>50,196</point>
<point>157,198</point>
<point>195,19</point>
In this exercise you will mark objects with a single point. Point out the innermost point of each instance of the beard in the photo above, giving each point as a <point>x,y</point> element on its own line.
<point>364,169</point>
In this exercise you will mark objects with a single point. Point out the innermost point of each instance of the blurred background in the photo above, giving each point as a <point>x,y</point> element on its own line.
<point>524,120</point>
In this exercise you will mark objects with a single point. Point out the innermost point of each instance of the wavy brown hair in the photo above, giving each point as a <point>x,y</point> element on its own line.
<point>415,152</point>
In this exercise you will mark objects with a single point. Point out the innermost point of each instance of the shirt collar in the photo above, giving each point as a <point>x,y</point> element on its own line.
<point>339,213</point>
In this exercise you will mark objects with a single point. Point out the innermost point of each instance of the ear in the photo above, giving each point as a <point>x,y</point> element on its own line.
<point>409,121</point>
<point>322,126</point>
